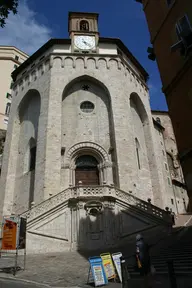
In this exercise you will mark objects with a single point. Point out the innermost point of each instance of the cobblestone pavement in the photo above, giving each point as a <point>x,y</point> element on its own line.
<point>69,270</point>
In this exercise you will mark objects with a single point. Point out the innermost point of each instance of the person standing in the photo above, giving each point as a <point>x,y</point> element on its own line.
<point>143,259</point>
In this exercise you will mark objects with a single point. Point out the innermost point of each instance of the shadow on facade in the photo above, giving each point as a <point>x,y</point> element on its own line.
<point>105,230</point>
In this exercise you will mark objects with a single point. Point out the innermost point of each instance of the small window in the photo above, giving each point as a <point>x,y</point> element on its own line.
<point>16,58</point>
<point>32,158</point>
<point>184,26</point>
<point>166,167</point>
<point>172,201</point>
<point>42,58</point>
<point>15,66</point>
<point>87,107</point>
<point>84,25</point>
<point>184,31</point>
<point>8,107</point>
<point>161,143</point>
<point>169,182</point>
<point>163,152</point>
<point>5,121</point>
<point>11,85</point>
<point>137,146</point>
<point>85,87</point>
<point>170,2</point>
<point>8,96</point>
<point>158,120</point>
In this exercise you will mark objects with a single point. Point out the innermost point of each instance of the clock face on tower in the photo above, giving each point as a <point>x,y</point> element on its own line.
<point>84,42</point>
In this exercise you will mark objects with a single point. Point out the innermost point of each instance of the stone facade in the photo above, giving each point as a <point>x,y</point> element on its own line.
<point>177,198</point>
<point>10,59</point>
<point>67,105</point>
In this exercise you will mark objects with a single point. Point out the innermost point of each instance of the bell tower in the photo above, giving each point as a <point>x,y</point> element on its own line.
<point>83,31</point>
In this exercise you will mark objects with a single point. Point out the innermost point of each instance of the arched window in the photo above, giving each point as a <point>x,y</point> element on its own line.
<point>8,107</point>
<point>84,25</point>
<point>32,158</point>
<point>137,153</point>
<point>87,106</point>
<point>86,171</point>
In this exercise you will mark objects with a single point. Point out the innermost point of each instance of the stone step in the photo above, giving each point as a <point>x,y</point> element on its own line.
<point>176,260</point>
<point>164,268</point>
<point>165,272</point>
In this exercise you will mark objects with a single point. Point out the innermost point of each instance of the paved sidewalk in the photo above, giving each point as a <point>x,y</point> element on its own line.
<point>70,270</point>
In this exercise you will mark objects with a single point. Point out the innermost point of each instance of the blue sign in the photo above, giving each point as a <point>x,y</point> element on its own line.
<point>98,271</point>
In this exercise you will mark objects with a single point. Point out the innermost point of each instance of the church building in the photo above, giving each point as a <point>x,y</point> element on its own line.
<point>84,159</point>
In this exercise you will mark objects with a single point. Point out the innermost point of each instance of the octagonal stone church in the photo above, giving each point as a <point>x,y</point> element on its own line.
<point>82,159</point>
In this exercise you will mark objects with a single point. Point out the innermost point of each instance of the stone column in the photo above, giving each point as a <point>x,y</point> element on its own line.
<point>8,174</point>
<point>72,173</point>
<point>53,137</point>
<point>107,168</point>
<point>99,166</point>
<point>74,226</point>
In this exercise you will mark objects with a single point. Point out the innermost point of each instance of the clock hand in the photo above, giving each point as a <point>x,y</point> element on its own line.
<point>86,43</point>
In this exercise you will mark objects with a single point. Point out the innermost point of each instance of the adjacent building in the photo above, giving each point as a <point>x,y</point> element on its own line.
<point>176,188</point>
<point>170,26</point>
<point>10,59</point>
<point>83,155</point>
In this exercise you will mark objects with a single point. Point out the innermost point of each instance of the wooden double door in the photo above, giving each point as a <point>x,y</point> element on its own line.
<point>87,171</point>
<point>88,176</point>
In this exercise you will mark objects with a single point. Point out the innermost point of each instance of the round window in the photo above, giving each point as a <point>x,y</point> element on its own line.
<point>87,107</point>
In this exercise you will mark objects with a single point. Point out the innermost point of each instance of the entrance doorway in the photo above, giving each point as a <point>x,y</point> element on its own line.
<point>86,170</point>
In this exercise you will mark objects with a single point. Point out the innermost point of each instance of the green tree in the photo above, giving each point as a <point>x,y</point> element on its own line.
<point>7,6</point>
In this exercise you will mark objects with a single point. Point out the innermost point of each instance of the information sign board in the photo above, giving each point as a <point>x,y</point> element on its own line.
<point>9,234</point>
<point>117,261</point>
<point>98,271</point>
<point>108,265</point>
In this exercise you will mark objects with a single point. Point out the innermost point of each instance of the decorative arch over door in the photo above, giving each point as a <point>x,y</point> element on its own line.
<point>86,171</point>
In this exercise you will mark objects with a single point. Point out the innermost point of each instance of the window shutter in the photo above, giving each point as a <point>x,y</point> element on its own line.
<point>178,32</point>
<point>184,26</point>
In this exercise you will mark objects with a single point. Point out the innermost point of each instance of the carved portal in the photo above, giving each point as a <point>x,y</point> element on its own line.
<point>93,208</point>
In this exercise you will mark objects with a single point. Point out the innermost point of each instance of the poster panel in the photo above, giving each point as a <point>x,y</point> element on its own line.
<point>98,271</point>
<point>117,261</point>
<point>22,233</point>
<point>9,234</point>
<point>108,265</point>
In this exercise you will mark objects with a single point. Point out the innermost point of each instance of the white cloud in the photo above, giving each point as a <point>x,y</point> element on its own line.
<point>153,89</point>
<point>24,31</point>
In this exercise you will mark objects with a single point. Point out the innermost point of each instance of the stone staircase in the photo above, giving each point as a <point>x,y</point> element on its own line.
<point>122,217</point>
<point>142,207</point>
<point>176,247</point>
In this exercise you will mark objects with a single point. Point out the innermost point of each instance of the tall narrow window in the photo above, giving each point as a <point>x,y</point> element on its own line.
<point>184,31</point>
<point>7,109</point>
<point>170,2</point>
<point>32,158</point>
<point>137,153</point>
<point>84,25</point>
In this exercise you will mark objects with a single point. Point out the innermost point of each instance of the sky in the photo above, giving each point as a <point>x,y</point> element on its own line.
<point>39,20</point>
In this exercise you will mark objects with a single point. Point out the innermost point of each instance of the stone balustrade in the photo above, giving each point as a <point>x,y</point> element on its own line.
<point>94,191</point>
